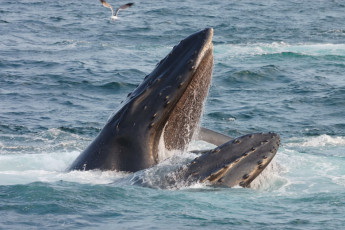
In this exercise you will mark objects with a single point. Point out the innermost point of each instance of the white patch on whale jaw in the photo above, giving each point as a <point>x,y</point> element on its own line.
<point>163,152</point>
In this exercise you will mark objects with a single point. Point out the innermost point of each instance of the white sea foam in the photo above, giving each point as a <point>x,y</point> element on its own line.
<point>49,167</point>
<point>232,50</point>
<point>307,170</point>
<point>271,178</point>
<point>319,141</point>
<point>291,170</point>
<point>339,180</point>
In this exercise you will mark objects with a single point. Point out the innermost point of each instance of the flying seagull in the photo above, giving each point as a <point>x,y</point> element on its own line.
<point>114,16</point>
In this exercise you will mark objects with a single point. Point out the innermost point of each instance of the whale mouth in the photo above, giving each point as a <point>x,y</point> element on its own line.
<point>174,93</point>
<point>187,102</point>
<point>185,116</point>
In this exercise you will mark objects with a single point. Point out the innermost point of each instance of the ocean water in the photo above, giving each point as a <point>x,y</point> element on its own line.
<point>65,67</point>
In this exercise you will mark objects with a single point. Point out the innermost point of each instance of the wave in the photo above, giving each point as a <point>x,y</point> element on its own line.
<point>339,180</point>
<point>51,167</point>
<point>272,178</point>
<point>296,167</point>
<point>319,141</point>
<point>242,50</point>
<point>308,171</point>
<point>47,141</point>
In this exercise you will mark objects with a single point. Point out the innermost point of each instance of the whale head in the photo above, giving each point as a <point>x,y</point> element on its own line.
<point>166,105</point>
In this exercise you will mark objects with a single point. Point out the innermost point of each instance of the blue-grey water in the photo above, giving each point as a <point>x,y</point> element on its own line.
<point>65,67</point>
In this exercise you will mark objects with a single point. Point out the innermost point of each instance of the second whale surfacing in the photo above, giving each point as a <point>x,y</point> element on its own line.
<point>167,107</point>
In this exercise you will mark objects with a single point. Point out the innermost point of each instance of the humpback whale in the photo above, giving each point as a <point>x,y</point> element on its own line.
<point>166,108</point>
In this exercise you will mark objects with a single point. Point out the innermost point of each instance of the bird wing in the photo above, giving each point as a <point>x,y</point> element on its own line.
<point>105,4</point>
<point>125,6</point>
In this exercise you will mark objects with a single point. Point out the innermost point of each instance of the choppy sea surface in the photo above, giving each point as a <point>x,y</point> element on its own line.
<point>65,66</point>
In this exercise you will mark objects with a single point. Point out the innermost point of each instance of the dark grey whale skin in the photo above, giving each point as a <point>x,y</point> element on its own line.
<point>168,104</point>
